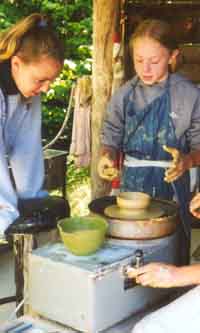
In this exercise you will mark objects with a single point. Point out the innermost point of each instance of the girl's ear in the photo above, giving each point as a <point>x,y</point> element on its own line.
<point>15,62</point>
<point>173,61</point>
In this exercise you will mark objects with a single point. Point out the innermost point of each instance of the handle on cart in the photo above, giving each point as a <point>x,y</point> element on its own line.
<point>139,261</point>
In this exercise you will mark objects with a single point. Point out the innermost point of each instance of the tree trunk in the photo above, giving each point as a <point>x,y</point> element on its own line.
<point>104,14</point>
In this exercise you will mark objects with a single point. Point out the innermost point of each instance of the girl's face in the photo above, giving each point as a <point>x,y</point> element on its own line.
<point>151,60</point>
<point>35,77</point>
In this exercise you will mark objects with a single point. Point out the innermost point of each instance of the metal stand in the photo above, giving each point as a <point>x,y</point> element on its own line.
<point>38,217</point>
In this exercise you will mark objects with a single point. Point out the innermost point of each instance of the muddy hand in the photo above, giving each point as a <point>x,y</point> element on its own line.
<point>156,275</point>
<point>195,206</point>
<point>106,169</point>
<point>178,165</point>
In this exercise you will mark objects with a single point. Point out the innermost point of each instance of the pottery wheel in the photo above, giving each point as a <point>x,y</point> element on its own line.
<point>153,211</point>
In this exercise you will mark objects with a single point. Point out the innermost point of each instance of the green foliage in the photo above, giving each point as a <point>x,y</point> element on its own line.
<point>71,19</point>
<point>76,175</point>
<point>8,15</point>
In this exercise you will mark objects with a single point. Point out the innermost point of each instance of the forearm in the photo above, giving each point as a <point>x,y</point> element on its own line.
<point>193,158</point>
<point>110,151</point>
<point>180,163</point>
<point>187,275</point>
<point>162,275</point>
<point>8,198</point>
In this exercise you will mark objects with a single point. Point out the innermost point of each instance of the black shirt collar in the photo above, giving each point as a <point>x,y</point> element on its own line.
<point>7,84</point>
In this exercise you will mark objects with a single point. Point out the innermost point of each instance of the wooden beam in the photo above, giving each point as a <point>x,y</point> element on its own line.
<point>104,14</point>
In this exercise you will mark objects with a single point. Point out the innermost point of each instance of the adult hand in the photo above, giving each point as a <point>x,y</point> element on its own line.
<point>106,168</point>
<point>180,163</point>
<point>195,206</point>
<point>156,275</point>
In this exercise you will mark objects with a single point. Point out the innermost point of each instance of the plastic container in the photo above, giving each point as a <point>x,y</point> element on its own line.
<point>83,235</point>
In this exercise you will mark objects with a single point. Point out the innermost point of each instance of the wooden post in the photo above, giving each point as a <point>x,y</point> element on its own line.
<point>104,14</point>
<point>23,245</point>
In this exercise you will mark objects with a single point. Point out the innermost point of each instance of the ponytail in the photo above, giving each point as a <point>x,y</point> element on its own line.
<point>31,38</point>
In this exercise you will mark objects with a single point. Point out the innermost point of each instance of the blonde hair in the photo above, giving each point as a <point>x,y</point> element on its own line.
<point>31,38</point>
<point>156,29</point>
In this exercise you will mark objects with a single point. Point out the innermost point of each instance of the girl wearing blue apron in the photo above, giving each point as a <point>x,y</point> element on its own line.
<point>154,109</point>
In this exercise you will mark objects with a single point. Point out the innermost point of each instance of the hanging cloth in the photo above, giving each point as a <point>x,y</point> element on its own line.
<point>117,62</point>
<point>118,48</point>
<point>80,146</point>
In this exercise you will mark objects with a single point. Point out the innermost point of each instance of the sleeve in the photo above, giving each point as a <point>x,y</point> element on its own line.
<point>193,134</point>
<point>27,157</point>
<point>113,126</point>
<point>186,111</point>
<point>8,198</point>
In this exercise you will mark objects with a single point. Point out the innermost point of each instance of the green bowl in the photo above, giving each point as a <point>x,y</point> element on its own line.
<point>83,235</point>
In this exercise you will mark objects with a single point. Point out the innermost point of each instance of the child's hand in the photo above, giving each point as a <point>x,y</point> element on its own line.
<point>156,275</point>
<point>106,169</point>
<point>195,206</point>
<point>179,164</point>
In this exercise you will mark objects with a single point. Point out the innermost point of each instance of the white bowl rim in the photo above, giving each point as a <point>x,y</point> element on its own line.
<point>133,195</point>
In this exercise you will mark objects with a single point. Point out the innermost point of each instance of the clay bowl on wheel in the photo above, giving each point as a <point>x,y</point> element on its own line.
<point>133,200</point>
<point>83,235</point>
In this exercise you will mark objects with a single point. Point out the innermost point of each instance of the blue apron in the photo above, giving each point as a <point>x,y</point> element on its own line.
<point>146,131</point>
